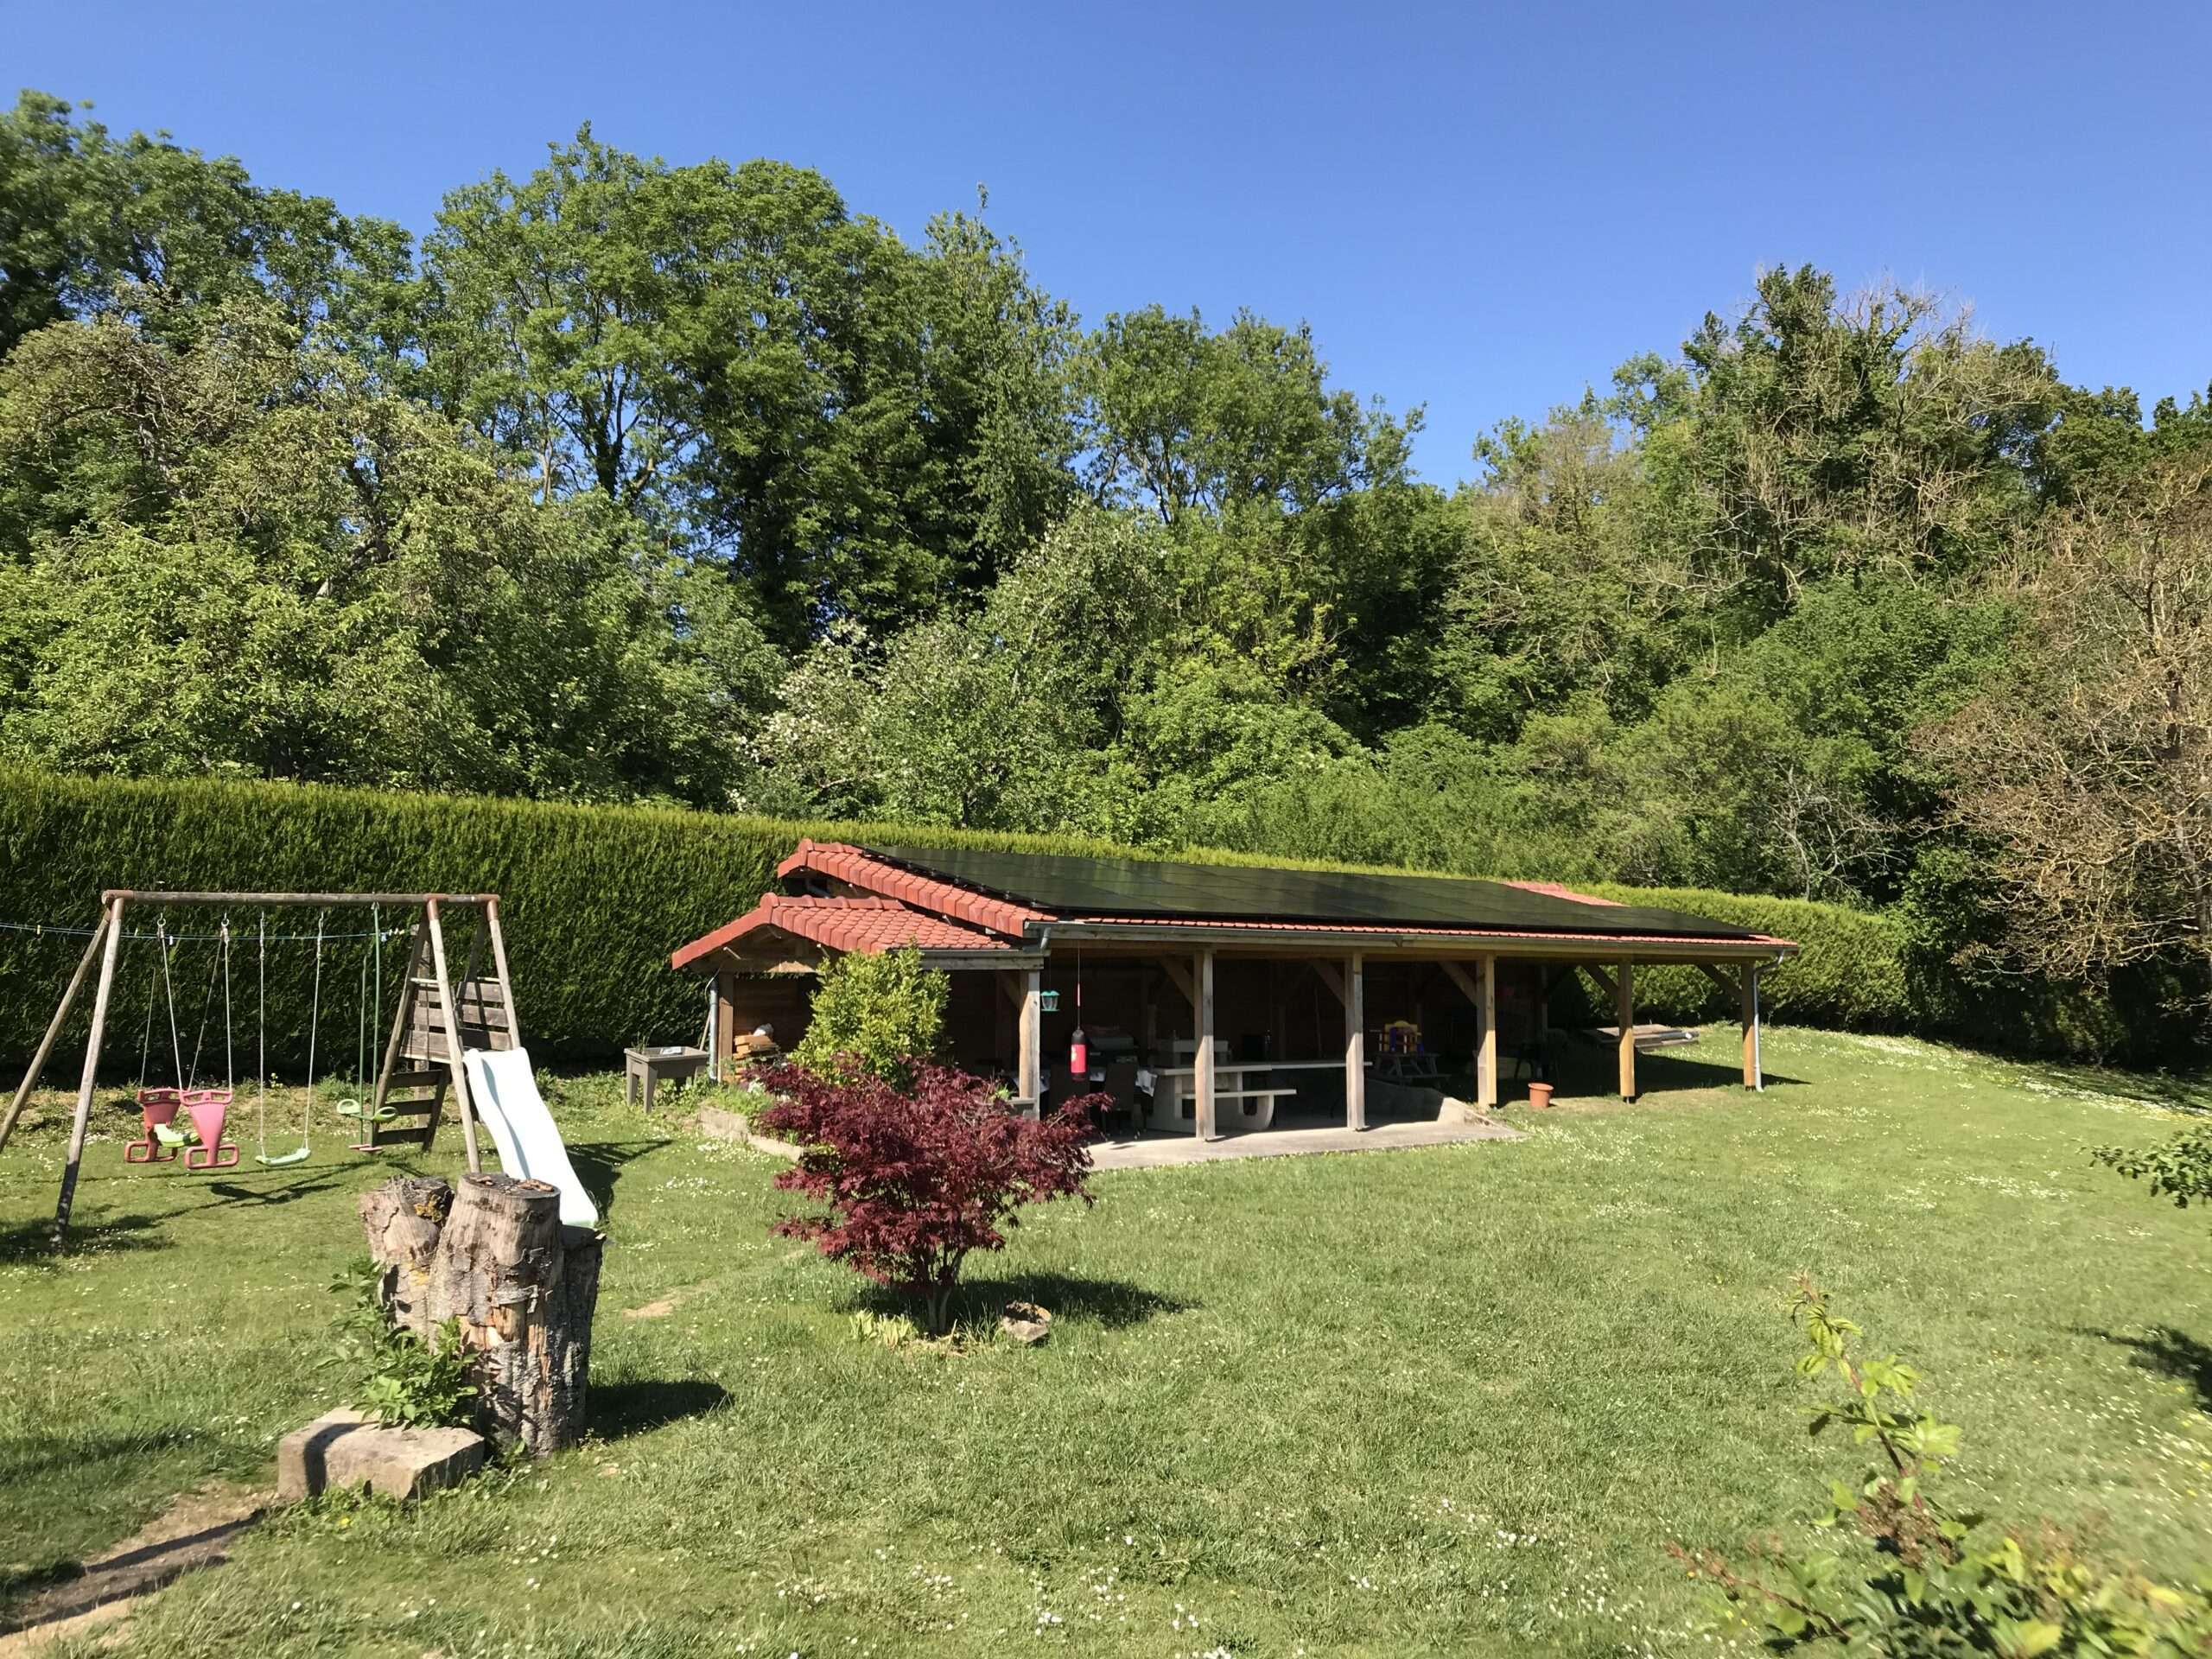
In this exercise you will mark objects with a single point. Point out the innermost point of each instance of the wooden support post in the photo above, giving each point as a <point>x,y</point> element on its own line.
<point>1183,981</point>
<point>1202,1062</point>
<point>1355,1042</point>
<point>1753,1078</point>
<point>1486,1066</point>
<point>1624,1013</point>
<point>1279,1010</point>
<point>1542,1068</point>
<point>725,1023</point>
<point>458,1070</point>
<point>53,1028</point>
<point>1032,1038</point>
<point>500,967</point>
<point>91,1068</point>
<point>416,945</point>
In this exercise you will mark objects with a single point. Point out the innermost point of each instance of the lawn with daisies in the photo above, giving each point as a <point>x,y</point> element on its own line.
<point>1450,1401</point>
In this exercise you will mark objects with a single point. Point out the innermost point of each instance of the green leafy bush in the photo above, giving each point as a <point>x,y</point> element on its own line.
<point>2179,1168</point>
<point>1910,1575</point>
<point>875,1013</point>
<point>400,1380</point>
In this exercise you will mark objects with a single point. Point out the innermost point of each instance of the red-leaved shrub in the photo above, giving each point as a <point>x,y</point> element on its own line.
<point>916,1179</point>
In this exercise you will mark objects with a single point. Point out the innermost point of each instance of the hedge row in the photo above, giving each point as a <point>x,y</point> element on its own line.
<point>595,898</point>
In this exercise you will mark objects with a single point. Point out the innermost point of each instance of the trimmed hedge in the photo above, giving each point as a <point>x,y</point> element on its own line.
<point>1851,974</point>
<point>595,899</point>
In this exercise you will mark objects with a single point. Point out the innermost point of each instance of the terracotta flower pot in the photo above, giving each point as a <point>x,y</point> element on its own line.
<point>1540,1094</point>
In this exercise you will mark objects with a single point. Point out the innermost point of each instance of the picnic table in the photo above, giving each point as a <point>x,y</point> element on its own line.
<point>1174,1105</point>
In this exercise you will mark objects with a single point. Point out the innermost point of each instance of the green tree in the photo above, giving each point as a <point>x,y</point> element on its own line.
<point>250,557</point>
<point>140,226</point>
<point>875,1014</point>
<point>1819,435</point>
<point>852,428</point>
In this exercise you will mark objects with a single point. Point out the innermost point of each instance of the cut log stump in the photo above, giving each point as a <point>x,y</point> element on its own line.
<point>493,1254</point>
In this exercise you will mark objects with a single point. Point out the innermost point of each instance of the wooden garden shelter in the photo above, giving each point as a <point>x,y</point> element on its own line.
<point>1274,974</point>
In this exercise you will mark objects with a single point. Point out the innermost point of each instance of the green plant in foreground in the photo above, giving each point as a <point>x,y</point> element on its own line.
<point>1918,1578</point>
<point>403,1382</point>
<point>2179,1168</point>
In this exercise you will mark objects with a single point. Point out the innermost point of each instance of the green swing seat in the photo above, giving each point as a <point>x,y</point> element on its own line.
<point>297,1155</point>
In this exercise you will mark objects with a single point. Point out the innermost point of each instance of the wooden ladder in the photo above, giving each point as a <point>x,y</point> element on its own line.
<point>430,1029</point>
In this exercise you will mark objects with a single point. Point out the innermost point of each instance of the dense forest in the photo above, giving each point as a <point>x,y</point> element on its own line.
<point>630,481</point>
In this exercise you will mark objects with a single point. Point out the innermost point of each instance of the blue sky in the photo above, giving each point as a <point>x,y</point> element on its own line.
<point>1479,209</point>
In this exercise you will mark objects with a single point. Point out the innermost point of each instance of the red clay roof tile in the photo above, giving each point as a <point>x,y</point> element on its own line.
<point>869,925</point>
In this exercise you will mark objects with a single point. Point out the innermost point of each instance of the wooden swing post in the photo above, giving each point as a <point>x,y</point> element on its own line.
<point>53,1028</point>
<point>446,1006</point>
<point>113,948</point>
<point>400,1006</point>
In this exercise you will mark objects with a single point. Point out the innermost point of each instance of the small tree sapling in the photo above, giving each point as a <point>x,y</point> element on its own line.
<point>1910,1577</point>
<point>917,1178</point>
<point>874,1013</point>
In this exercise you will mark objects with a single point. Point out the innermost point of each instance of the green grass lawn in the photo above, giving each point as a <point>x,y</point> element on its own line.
<point>1449,1401</point>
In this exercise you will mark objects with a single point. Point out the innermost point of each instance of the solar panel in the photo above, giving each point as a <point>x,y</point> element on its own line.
<point>1140,888</point>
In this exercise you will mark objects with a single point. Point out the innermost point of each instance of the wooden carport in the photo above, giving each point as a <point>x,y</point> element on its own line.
<point>1019,917</point>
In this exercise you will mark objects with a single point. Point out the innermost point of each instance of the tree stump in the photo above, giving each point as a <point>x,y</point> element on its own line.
<point>494,1256</point>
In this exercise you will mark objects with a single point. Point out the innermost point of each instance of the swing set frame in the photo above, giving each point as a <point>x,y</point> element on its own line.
<point>434,1037</point>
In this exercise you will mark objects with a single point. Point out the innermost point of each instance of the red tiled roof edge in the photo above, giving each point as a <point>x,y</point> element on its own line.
<point>869,926</point>
<point>841,861</point>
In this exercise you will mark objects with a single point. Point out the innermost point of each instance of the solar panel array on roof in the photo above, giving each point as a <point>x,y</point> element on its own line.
<point>1138,888</point>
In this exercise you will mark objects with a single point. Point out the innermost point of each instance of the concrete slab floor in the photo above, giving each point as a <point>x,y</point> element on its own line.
<point>1159,1151</point>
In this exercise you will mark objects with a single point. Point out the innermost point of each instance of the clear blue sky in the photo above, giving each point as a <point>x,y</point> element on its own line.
<point>1478,208</point>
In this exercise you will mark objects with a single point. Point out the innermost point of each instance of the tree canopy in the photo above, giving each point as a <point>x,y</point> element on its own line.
<point>689,481</point>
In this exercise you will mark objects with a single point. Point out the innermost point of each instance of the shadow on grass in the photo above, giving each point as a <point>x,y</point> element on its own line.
<point>1112,1304</point>
<point>2166,1353</point>
<point>20,1583</point>
<point>620,1409</point>
<point>33,1241</point>
<point>2176,1093</point>
<point>1581,1068</point>
<point>599,1164</point>
<point>278,1190</point>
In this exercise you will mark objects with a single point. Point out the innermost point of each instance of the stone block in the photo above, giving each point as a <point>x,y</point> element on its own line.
<point>343,1449</point>
<point>723,1124</point>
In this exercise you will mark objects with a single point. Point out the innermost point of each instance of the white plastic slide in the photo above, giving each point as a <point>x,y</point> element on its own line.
<point>508,1104</point>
